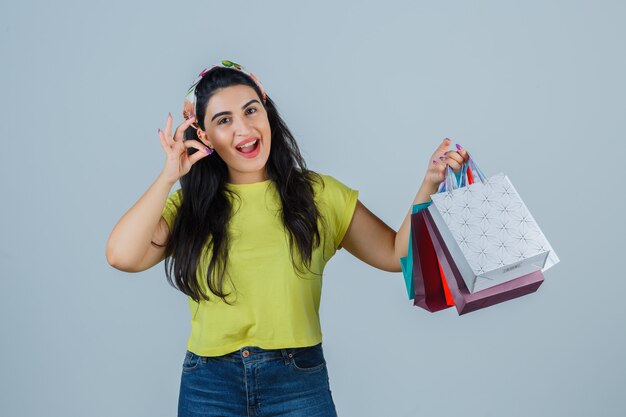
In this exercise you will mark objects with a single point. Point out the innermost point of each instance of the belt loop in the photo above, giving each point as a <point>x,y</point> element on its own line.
<point>286,356</point>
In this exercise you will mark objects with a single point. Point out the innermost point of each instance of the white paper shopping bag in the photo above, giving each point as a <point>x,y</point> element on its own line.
<point>489,231</point>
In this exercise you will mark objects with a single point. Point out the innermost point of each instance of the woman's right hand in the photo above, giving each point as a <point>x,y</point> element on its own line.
<point>178,162</point>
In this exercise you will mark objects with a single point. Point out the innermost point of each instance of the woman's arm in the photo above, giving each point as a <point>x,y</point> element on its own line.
<point>373,241</point>
<point>131,238</point>
<point>129,247</point>
<point>402,237</point>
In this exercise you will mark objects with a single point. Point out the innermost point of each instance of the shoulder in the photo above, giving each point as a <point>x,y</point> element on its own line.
<point>332,191</point>
<point>337,202</point>
<point>175,197</point>
<point>325,183</point>
<point>172,205</point>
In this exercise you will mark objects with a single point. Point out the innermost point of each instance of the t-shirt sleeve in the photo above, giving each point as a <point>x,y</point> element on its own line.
<point>341,202</point>
<point>172,204</point>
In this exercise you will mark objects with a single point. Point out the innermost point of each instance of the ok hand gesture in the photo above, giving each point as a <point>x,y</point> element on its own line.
<point>177,161</point>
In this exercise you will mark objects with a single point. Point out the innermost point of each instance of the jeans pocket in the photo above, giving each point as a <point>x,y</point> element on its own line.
<point>191,361</point>
<point>308,359</point>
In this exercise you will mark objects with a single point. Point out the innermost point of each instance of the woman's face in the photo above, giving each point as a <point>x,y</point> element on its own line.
<point>234,116</point>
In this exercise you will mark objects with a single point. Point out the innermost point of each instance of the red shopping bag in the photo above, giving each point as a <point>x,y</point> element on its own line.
<point>446,289</point>
<point>429,282</point>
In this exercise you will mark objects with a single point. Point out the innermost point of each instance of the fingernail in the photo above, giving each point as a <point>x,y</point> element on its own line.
<point>459,147</point>
<point>207,150</point>
<point>159,130</point>
<point>169,114</point>
<point>434,162</point>
<point>441,158</point>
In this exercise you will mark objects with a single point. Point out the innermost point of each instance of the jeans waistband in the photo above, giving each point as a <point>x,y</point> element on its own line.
<point>257,354</point>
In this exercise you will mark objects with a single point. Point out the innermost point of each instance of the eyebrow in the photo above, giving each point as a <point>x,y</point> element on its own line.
<point>230,112</point>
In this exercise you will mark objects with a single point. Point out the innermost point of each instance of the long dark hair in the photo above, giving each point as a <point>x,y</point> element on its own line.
<point>205,208</point>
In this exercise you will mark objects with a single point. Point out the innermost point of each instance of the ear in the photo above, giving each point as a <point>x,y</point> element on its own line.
<point>203,137</point>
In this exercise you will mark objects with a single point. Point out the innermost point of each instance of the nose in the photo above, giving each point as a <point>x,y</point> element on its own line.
<point>242,127</point>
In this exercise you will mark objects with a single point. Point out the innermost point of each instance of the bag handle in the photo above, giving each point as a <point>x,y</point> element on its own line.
<point>470,173</point>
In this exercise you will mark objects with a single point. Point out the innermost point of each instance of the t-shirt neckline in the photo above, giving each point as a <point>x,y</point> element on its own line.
<point>248,185</point>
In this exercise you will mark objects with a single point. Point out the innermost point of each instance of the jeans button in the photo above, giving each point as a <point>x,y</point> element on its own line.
<point>245,353</point>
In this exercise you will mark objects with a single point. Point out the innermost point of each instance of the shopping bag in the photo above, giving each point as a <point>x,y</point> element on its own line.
<point>464,300</point>
<point>488,230</point>
<point>406,262</point>
<point>429,282</point>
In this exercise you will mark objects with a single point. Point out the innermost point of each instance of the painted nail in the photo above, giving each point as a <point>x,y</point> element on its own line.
<point>459,147</point>
<point>207,150</point>
<point>434,162</point>
<point>159,130</point>
<point>169,114</point>
<point>441,158</point>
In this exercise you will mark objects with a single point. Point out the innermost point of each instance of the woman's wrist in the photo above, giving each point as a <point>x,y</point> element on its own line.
<point>426,189</point>
<point>162,179</point>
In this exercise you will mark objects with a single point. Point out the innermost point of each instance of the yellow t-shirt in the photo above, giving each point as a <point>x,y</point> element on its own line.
<point>273,307</point>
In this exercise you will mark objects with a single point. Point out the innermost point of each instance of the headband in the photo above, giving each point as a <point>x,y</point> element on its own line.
<point>189,107</point>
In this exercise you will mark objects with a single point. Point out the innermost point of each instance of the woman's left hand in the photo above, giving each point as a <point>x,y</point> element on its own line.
<point>437,166</point>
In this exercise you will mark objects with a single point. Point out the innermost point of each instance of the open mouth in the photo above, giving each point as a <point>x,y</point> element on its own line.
<point>249,150</point>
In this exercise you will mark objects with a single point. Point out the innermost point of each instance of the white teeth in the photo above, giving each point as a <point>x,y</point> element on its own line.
<point>247,144</point>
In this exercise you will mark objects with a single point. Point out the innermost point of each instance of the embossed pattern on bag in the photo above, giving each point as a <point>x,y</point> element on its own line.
<point>489,224</point>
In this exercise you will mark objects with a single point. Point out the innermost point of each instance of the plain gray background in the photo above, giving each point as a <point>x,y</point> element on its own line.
<point>534,89</point>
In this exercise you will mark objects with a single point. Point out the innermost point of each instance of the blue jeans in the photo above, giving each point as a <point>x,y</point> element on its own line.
<point>251,381</point>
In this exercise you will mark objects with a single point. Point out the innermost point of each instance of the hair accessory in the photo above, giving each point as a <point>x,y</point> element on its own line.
<point>189,107</point>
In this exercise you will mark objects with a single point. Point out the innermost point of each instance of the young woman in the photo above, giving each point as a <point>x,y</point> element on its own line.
<point>246,238</point>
